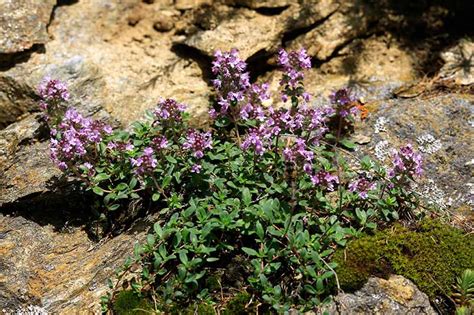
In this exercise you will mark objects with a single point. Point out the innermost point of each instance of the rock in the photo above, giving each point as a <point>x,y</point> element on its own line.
<point>257,4</point>
<point>458,63</point>
<point>108,62</point>
<point>395,296</point>
<point>58,271</point>
<point>440,127</point>
<point>190,4</point>
<point>24,162</point>
<point>303,16</point>
<point>164,24</point>
<point>323,40</point>
<point>23,23</point>
<point>19,92</point>
<point>363,66</point>
<point>245,30</point>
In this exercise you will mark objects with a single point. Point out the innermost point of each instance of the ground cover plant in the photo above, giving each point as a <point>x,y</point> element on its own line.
<point>271,192</point>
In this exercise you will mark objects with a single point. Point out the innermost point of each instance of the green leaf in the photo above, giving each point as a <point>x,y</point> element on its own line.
<point>250,251</point>
<point>158,229</point>
<point>259,230</point>
<point>155,196</point>
<point>183,258</point>
<point>246,197</point>
<point>133,183</point>
<point>101,177</point>
<point>171,159</point>
<point>166,181</point>
<point>98,191</point>
<point>121,186</point>
<point>150,239</point>
<point>113,207</point>
<point>362,216</point>
<point>348,144</point>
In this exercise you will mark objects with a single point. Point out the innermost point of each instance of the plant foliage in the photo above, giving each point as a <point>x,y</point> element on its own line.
<point>278,186</point>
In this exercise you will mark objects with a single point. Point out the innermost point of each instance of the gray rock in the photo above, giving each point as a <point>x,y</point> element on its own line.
<point>395,296</point>
<point>23,23</point>
<point>440,127</point>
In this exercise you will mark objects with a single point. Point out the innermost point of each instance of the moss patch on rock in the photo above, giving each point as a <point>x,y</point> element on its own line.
<point>431,254</point>
<point>128,303</point>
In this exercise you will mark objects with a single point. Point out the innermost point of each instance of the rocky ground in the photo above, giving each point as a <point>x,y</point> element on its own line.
<point>411,64</point>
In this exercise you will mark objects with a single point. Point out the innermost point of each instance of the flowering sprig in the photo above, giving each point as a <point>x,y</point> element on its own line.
<point>362,186</point>
<point>343,100</point>
<point>75,138</point>
<point>293,65</point>
<point>145,163</point>
<point>406,162</point>
<point>255,139</point>
<point>325,179</point>
<point>231,81</point>
<point>197,142</point>
<point>54,94</point>
<point>168,113</point>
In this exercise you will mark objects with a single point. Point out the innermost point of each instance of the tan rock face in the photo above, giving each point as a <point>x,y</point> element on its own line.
<point>23,23</point>
<point>61,270</point>
<point>234,33</point>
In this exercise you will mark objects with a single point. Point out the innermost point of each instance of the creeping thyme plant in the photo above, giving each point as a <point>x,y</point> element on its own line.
<point>275,189</point>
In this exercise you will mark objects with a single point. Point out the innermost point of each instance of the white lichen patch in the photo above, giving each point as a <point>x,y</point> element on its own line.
<point>428,144</point>
<point>435,196</point>
<point>382,150</point>
<point>380,125</point>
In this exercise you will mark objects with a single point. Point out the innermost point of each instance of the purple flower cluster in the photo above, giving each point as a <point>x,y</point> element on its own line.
<point>231,81</point>
<point>362,186</point>
<point>145,163</point>
<point>325,179</point>
<point>120,146</point>
<point>255,138</point>
<point>197,142</point>
<point>255,95</point>
<point>53,90</point>
<point>160,142</point>
<point>342,100</point>
<point>293,65</point>
<point>75,137</point>
<point>53,94</point>
<point>299,151</point>
<point>406,161</point>
<point>169,110</point>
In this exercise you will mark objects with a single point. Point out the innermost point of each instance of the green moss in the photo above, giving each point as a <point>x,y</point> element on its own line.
<point>237,304</point>
<point>432,255</point>
<point>128,303</point>
<point>212,283</point>
<point>202,308</point>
